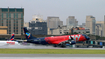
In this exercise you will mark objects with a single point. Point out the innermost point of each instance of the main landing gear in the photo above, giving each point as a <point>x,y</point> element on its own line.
<point>60,45</point>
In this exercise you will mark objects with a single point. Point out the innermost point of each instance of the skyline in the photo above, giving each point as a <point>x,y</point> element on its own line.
<point>59,8</point>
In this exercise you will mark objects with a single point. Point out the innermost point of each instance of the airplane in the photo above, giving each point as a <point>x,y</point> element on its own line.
<point>9,42</point>
<point>55,40</point>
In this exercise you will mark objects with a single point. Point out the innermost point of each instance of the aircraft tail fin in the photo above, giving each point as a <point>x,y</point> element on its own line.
<point>12,37</point>
<point>27,34</point>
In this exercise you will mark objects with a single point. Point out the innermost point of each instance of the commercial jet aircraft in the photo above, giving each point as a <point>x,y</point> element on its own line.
<point>55,40</point>
<point>9,42</point>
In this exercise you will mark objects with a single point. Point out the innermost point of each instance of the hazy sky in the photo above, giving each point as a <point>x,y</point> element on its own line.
<point>60,8</point>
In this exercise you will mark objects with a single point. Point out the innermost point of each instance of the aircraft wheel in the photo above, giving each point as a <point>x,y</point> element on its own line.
<point>55,45</point>
<point>63,46</point>
<point>70,42</point>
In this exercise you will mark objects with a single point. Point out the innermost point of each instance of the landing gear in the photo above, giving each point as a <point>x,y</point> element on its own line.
<point>70,42</point>
<point>55,45</point>
<point>63,46</point>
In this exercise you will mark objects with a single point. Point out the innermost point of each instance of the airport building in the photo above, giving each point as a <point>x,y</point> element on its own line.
<point>71,22</point>
<point>54,22</point>
<point>90,23</point>
<point>13,18</point>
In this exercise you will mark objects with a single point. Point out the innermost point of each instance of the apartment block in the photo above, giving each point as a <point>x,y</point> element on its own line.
<point>71,22</point>
<point>54,22</point>
<point>13,18</point>
<point>90,24</point>
<point>100,28</point>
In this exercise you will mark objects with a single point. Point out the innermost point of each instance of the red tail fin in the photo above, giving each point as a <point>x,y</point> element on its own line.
<point>12,37</point>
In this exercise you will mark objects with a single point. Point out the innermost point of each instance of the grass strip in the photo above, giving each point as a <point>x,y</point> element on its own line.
<point>51,51</point>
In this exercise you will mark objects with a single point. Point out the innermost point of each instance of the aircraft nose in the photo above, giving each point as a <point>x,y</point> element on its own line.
<point>88,38</point>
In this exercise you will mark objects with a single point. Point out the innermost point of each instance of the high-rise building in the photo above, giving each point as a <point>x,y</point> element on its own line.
<point>83,24</point>
<point>37,26</point>
<point>90,24</point>
<point>54,22</point>
<point>71,22</point>
<point>104,25</point>
<point>3,30</point>
<point>61,30</point>
<point>99,28</point>
<point>37,18</point>
<point>13,18</point>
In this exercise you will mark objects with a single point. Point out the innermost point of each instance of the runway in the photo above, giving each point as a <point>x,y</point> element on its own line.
<point>31,46</point>
<point>52,57</point>
<point>48,56</point>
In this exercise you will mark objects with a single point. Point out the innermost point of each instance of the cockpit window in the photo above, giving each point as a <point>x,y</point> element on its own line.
<point>86,36</point>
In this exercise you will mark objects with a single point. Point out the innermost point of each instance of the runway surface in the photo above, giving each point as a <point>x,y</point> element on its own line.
<point>48,56</point>
<point>52,57</point>
<point>31,46</point>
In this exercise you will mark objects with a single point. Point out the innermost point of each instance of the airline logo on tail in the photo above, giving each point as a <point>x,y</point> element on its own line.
<point>28,34</point>
<point>12,37</point>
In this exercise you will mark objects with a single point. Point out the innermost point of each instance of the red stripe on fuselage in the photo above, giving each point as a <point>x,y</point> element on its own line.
<point>59,39</point>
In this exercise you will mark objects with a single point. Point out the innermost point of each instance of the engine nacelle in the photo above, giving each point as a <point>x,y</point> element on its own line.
<point>72,42</point>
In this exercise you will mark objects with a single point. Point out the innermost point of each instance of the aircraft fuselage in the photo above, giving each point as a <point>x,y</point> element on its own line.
<point>58,39</point>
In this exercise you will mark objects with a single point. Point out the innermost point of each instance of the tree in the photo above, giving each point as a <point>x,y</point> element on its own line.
<point>67,34</point>
<point>75,33</point>
<point>97,37</point>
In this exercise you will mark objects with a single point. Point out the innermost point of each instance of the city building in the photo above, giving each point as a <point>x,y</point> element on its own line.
<point>13,18</point>
<point>104,25</point>
<point>48,31</point>
<point>37,26</point>
<point>80,30</point>
<point>90,24</point>
<point>83,24</point>
<point>100,28</point>
<point>37,18</point>
<point>3,30</point>
<point>61,30</point>
<point>71,22</point>
<point>54,22</point>
<point>26,24</point>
